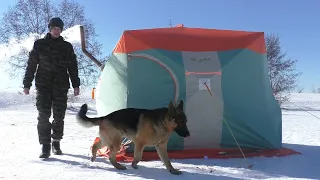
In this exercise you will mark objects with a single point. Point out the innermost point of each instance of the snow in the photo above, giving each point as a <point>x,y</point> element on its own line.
<point>20,148</point>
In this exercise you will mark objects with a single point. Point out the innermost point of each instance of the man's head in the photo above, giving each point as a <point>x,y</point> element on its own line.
<point>55,26</point>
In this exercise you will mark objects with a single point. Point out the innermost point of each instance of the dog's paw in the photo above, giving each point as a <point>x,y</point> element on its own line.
<point>120,167</point>
<point>134,165</point>
<point>175,171</point>
<point>93,159</point>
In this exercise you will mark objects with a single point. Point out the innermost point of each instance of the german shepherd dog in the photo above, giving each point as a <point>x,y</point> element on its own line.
<point>144,127</point>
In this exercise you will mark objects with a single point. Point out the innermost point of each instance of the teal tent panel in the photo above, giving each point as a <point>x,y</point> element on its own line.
<point>250,109</point>
<point>112,86</point>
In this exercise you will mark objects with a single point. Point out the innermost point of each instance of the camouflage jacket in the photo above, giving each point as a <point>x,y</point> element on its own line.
<point>54,62</point>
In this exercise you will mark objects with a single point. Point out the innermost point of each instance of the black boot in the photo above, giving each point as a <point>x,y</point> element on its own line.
<point>45,151</point>
<point>56,148</point>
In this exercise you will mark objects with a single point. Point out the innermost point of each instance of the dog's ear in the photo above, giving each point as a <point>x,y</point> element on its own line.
<point>171,109</point>
<point>180,106</point>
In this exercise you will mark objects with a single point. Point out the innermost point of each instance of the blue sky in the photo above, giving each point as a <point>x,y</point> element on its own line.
<point>295,21</point>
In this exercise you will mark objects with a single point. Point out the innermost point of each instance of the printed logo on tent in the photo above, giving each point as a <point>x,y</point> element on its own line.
<point>200,60</point>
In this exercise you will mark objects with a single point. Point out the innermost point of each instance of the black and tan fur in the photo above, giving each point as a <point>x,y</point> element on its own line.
<point>145,127</point>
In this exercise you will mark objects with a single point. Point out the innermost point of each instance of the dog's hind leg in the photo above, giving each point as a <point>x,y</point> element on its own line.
<point>96,146</point>
<point>138,150</point>
<point>114,145</point>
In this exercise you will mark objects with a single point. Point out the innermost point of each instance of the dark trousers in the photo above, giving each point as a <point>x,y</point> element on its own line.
<point>47,99</point>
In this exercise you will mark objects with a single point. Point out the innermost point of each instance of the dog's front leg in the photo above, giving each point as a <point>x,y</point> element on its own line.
<point>163,154</point>
<point>138,150</point>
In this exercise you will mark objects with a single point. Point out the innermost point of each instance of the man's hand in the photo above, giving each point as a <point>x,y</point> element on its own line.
<point>76,91</point>
<point>26,91</point>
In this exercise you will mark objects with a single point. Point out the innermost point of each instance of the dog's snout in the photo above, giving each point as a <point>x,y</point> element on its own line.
<point>187,134</point>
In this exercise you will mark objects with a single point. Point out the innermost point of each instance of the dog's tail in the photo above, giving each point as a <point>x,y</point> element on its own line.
<point>84,120</point>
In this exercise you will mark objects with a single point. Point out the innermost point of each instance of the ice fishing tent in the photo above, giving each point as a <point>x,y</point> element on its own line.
<point>221,75</point>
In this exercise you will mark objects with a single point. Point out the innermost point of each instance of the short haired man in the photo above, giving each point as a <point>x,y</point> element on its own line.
<point>54,62</point>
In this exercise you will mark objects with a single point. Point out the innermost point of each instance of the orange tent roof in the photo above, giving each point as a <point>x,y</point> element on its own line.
<point>189,39</point>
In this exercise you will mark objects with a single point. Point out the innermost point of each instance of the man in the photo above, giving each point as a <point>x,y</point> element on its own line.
<point>54,61</point>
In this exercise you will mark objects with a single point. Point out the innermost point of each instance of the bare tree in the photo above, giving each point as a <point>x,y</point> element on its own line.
<point>105,59</point>
<point>282,72</point>
<point>315,89</point>
<point>31,17</point>
<point>300,89</point>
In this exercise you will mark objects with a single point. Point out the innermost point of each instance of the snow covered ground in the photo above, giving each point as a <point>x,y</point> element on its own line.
<point>20,149</point>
